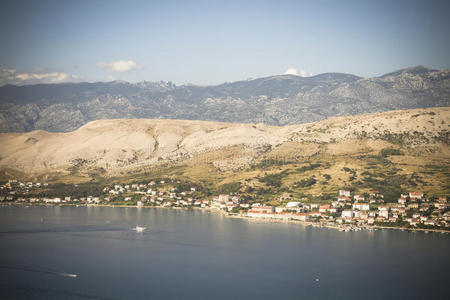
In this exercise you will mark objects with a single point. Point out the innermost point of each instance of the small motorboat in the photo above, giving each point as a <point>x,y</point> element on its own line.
<point>139,228</point>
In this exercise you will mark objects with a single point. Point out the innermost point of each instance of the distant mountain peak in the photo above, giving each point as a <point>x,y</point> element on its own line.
<point>416,70</point>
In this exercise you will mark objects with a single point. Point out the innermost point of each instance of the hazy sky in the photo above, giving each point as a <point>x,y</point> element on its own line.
<point>210,42</point>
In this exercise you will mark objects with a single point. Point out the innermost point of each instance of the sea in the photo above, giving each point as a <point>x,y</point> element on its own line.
<point>63,252</point>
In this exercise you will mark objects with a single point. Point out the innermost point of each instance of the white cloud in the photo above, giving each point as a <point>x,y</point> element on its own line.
<point>291,71</point>
<point>294,71</point>
<point>11,76</point>
<point>119,66</point>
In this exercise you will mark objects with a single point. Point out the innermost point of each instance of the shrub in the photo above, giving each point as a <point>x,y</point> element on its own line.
<point>390,151</point>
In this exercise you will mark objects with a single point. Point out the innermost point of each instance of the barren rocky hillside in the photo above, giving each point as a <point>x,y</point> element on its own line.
<point>110,145</point>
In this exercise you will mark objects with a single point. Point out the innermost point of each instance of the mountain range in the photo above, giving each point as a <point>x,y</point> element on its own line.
<point>274,100</point>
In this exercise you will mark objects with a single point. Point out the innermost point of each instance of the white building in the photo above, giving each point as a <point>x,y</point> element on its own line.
<point>345,193</point>
<point>347,214</point>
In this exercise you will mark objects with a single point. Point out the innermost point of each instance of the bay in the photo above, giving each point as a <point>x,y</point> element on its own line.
<point>203,255</point>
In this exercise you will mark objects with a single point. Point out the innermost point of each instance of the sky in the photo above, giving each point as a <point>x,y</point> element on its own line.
<point>211,42</point>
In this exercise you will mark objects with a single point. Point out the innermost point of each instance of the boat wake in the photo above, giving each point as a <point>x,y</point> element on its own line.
<point>36,270</point>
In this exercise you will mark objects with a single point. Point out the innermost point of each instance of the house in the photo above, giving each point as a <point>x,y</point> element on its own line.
<point>402,200</point>
<point>415,195</point>
<point>383,208</point>
<point>244,205</point>
<point>414,222</point>
<point>429,222</point>
<point>359,198</point>
<point>361,206</point>
<point>363,215</point>
<point>280,209</point>
<point>293,205</point>
<point>300,217</point>
<point>344,193</point>
<point>343,199</point>
<point>413,206</point>
<point>347,219</point>
<point>262,209</point>
<point>376,194</point>
<point>347,214</point>
<point>261,212</point>
<point>236,199</point>
<point>324,208</point>
<point>224,198</point>
<point>332,210</point>
<point>313,206</point>
<point>380,219</point>
<point>315,214</point>
<point>440,205</point>
<point>54,200</point>
<point>383,214</point>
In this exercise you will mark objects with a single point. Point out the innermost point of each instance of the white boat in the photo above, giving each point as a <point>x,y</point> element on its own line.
<point>69,275</point>
<point>139,228</point>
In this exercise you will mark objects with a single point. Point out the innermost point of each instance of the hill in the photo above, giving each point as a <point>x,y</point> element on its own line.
<point>387,151</point>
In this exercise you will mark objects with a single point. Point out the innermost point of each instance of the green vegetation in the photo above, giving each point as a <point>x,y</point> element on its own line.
<point>390,151</point>
<point>229,188</point>
<point>305,182</point>
<point>273,179</point>
<point>74,190</point>
<point>308,167</point>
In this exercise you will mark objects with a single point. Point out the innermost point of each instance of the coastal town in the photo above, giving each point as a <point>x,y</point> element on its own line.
<point>347,211</point>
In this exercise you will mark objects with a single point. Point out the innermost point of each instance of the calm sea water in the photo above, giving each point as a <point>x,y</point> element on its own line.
<point>201,255</point>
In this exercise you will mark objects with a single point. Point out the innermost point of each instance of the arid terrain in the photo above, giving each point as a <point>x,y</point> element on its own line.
<point>409,149</point>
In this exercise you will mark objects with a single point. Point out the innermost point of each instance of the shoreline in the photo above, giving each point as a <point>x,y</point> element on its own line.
<point>339,227</point>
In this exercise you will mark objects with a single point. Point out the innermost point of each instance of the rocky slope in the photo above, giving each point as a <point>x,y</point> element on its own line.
<point>112,145</point>
<point>275,100</point>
